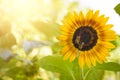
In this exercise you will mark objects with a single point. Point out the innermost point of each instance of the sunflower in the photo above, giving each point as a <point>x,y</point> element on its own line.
<point>86,36</point>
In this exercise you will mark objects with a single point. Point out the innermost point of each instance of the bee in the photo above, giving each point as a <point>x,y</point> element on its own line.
<point>77,41</point>
<point>81,45</point>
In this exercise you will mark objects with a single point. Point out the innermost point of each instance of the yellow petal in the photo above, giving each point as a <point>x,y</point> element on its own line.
<point>107,35</point>
<point>63,43</point>
<point>95,15</point>
<point>107,45</point>
<point>88,17</point>
<point>68,17</point>
<point>92,57</point>
<point>107,38</point>
<point>63,37</point>
<point>81,18</point>
<point>100,21</point>
<point>65,32</point>
<point>105,27</point>
<point>99,54</point>
<point>66,29</point>
<point>66,49</point>
<point>87,59</point>
<point>104,20</point>
<point>98,58</point>
<point>81,60</point>
<point>68,54</point>
<point>76,16</point>
<point>73,56</point>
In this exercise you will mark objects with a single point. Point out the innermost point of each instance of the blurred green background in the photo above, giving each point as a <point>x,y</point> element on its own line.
<point>28,46</point>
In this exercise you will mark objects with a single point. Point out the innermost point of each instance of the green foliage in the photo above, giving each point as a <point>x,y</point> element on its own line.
<point>76,70</point>
<point>111,66</point>
<point>17,71</point>
<point>68,70</point>
<point>22,71</point>
<point>72,71</point>
<point>95,75</point>
<point>55,64</point>
<point>117,8</point>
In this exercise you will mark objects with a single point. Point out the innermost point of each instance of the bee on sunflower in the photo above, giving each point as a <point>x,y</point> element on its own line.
<point>86,36</point>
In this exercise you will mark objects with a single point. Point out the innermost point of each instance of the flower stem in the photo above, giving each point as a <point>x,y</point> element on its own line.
<point>84,76</point>
<point>82,70</point>
<point>88,72</point>
<point>73,76</point>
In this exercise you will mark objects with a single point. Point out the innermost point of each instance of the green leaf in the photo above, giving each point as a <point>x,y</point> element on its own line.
<point>65,77</point>
<point>117,9</point>
<point>76,70</point>
<point>16,73</point>
<point>57,64</point>
<point>111,66</point>
<point>95,74</point>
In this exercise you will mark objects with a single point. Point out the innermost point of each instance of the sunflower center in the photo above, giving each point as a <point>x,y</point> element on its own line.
<point>85,38</point>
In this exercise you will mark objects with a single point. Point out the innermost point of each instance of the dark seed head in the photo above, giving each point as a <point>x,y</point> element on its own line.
<point>85,38</point>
